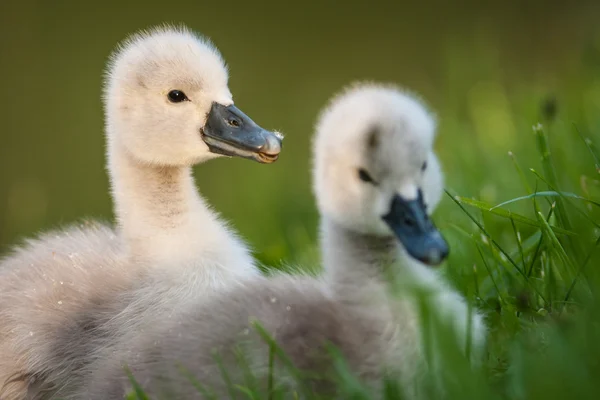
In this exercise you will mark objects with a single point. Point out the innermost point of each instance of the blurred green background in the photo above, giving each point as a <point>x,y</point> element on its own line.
<point>484,67</point>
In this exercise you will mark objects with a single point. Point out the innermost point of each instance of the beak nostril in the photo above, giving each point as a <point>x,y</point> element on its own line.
<point>233,122</point>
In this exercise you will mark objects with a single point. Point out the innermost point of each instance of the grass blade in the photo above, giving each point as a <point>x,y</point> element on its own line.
<point>580,270</point>
<point>298,375</point>
<point>518,239</point>
<point>583,213</point>
<point>139,392</point>
<point>490,274</point>
<point>561,251</point>
<point>507,214</point>
<point>454,198</point>
<point>547,194</point>
<point>550,172</point>
<point>520,172</point>
<point>588,144</point>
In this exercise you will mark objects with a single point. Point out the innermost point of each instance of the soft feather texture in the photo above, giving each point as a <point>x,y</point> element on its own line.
<point>377,128</point>
<point>165,232</point>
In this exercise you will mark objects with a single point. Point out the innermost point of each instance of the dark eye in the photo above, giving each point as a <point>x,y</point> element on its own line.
<point>364,176</point>
<point>176,96</point>
<point>424,166</point>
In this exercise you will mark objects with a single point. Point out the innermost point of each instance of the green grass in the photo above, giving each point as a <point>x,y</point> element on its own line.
<point>530,263</point>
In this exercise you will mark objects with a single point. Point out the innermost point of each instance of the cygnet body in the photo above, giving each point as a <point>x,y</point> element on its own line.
<point>168,107</point>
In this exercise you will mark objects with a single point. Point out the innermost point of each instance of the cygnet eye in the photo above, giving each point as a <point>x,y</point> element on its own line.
<point>177,96</point>
<point>364,176</point>
<point>424,166</point>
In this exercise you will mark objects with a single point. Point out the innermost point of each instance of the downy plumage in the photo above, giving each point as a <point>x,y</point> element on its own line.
<point>168,107</point>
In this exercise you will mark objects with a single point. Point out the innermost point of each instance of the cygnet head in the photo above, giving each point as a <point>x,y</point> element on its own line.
<point>375,169</point>
<point>168,103</point>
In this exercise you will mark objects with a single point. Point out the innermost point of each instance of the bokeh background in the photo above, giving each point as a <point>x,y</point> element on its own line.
<point>484,67</point>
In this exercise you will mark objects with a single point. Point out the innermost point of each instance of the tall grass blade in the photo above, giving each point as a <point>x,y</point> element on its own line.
<point>490,274</point>
<point>139,392</point>
<point>554,240</point>
<point>589,146</point>
<point>547,194</point>
<point>550,172</point>
<point>483,206</point>
<point>520,172</point>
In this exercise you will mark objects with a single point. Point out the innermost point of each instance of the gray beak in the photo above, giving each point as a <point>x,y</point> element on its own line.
<point>411,225</point>
<point>228,131</point>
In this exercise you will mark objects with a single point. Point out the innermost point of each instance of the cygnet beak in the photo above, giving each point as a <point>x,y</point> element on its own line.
<point>230,132</point>
<point>410,223</point>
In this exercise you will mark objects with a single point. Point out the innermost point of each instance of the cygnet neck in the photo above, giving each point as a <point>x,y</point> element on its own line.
<point>356,263</point>
<point>163,219</point>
